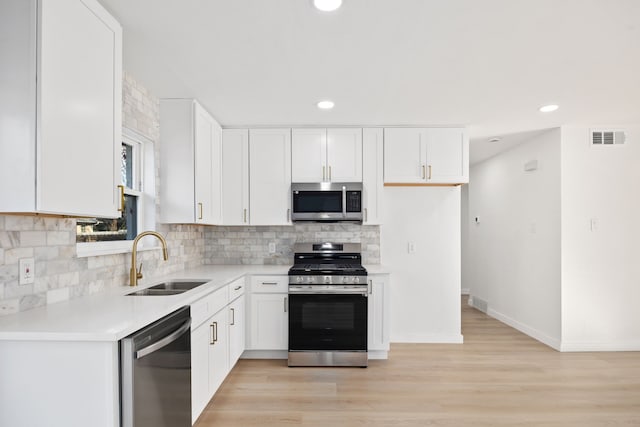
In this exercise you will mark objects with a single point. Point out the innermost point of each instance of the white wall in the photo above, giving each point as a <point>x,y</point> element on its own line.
<point>425,289</point>
<point>513,257</point>
<point>600,268</point>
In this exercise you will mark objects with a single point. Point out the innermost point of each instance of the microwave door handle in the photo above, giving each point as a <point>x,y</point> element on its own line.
<point>344,201</point>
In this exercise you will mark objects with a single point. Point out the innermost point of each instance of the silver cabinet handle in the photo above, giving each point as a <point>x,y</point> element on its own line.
<point>270,283</point>
<point>429,172</point>
<point>285,304</point>
<point>199,210</point>
<point>214,332</point>
<point>366,215</point>
<point>370,287</point>
<point>164,341</point>
<point>233,317</point>
<point>288,215</point>
<point>237,288</point>
<point>245,216</point>
<point>329,173</point>
<point>324,177</point>
<point>424,172</point>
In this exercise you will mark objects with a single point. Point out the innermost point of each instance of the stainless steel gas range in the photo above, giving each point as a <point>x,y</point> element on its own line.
<point>328,299</point>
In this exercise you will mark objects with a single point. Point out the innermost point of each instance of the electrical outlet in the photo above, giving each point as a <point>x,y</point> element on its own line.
<point>411,247</point>
<point>27,271</point>
<point>272,248</point>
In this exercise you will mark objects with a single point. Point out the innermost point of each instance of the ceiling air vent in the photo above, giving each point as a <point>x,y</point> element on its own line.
<point>607,137</point>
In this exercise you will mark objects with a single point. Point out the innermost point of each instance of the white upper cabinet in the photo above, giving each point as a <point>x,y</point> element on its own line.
<point>326,155</point>
<point>372,175</point>
<point>344,155</point>
<point>235,177</point>
<point>190,151</point>
<point>426,156</point>
<point>270,176</point>
<point>447,156</point>
<point>61,107</point>
<point>308,155</point>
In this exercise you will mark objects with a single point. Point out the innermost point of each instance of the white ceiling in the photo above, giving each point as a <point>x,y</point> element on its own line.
<point>487,64</point>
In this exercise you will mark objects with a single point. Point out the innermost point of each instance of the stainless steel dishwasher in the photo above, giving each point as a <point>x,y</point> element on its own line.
<point>155,373</point>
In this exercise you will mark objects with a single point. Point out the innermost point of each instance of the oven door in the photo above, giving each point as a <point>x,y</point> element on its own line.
<point>327,322</point>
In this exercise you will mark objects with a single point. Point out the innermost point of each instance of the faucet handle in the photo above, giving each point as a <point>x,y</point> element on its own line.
<point>139,272</point>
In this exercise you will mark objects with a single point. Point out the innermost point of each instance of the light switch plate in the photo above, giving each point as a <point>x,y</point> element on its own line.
<point>27,274</point>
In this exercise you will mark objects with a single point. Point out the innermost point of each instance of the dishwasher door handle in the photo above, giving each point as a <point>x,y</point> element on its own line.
<point>164,341</point>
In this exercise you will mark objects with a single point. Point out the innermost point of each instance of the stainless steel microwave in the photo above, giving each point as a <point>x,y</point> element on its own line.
<point>326,201</point>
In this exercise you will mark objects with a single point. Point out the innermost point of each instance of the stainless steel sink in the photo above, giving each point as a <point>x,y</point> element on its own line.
<point>168,288</point>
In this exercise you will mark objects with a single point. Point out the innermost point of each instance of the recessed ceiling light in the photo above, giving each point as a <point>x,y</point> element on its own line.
<point>327,5</point>
<point>548,108</point>
<point>495,139</point>
<point>325,105</point>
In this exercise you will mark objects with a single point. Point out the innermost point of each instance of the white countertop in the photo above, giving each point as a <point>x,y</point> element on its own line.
<point>111,315</point>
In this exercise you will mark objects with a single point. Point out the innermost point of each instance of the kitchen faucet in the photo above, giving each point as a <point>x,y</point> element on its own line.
<point>134,274</point>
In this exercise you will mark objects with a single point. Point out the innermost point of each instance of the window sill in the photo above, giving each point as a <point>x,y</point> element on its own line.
<point>84,250</point>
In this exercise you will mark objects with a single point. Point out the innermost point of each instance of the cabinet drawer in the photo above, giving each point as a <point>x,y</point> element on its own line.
<point>207,306</point>
<point>269,284</point>
<point>236,289</point>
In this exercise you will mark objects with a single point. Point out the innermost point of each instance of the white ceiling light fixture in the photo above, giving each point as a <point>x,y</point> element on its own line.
<point>327,5</point>
<point>325,105</point>
<point>548,108</point>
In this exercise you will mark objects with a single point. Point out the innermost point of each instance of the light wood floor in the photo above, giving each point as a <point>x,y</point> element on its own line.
<point>498,377</point>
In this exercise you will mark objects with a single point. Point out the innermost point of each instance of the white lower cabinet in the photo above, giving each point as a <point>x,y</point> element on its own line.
<point>199,370</point>
<point>268,327</point>
<point>236,330</point>
<point>218,350</point>
<point>378,334</point>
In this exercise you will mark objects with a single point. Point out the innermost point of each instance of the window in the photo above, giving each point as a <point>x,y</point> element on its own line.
<point>108,235</point>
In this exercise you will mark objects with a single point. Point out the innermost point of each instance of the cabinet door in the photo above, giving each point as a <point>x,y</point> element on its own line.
<point>200,342</point>
<point>447,156</point>
<point>218,351</point>
<point>405,155</point>
<point>80,95</point>
<point>203,142</point>
<point>269,322</point>
<point>235,177</point>
<point>236,330</point>
<point>344,155</point>
<point>309,155</point>
<point>378,337</point>
<point>270,176</point>
<point>216,172</point>
<point>372,175</point>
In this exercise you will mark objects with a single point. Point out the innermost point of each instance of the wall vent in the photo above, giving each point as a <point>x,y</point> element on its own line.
<point>607,137</point>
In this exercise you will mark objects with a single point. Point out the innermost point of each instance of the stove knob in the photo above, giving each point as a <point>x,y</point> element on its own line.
<point>327,279</point>
<point>345,279</point>
<point>356,279</point>
<point>299,279</point>
<point>309,279</point>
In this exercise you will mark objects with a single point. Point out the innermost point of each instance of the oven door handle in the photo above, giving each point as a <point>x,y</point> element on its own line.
<point>363,292</point>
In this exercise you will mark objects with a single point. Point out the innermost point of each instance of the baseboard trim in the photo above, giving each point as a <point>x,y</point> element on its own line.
<point>265,354</point>
<point>526,329</point>
<point>577,346</point>
<point>429,339</point>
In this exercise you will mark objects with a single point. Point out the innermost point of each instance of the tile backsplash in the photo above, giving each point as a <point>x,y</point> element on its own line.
<point>250,245</point>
